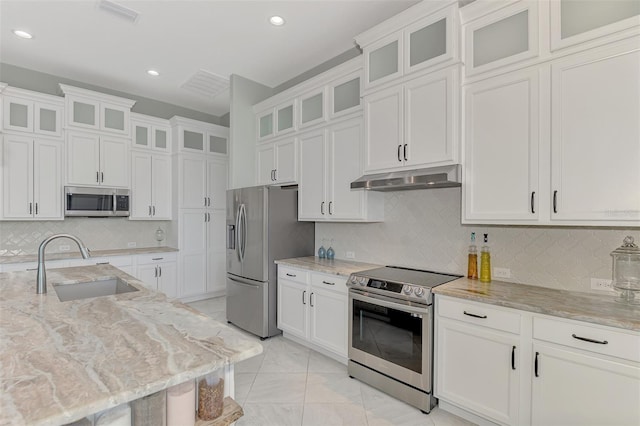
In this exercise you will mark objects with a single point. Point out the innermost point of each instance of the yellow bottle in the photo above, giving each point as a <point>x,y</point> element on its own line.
<point>485,261</point>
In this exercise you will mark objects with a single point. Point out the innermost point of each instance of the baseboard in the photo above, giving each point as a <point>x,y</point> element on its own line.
<point>460,412</point>
<point>323,351</point>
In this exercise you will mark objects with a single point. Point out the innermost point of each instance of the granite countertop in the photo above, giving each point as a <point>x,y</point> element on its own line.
<point>588,307</point>
<point>75,254</point>
<point>333,266</point>
<point>61,361</point>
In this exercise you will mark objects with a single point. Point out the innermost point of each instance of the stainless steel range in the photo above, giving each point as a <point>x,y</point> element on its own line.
<point>391,331</point>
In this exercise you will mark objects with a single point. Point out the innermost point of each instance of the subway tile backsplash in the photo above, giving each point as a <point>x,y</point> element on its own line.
<point>422,229</point>
<point>18,238</point>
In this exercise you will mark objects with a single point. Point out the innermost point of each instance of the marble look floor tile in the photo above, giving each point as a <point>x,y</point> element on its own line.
<point>286,388</point>
<point>332,388</point>
<point>282,345</point>
<point>333,414</point>
<point>445,418</point>
<point>271,415</point>
<point>284,362</point>
<point>319,363</point>
<point>251,365</point>
<point>243,383</point>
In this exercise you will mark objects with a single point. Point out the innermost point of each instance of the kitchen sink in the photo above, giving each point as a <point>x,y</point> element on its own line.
<point>90,289</point>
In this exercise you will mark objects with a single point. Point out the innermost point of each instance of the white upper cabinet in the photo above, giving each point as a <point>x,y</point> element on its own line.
<point>285,118</point>
<point>344,95</point>
<point>312,108</point>
<point>97,160</point>
<point>420,38</point>
<point>32,178</point>
<point>150,133</point>
<point>265,125</point>
<point>89,110</point>
<point>150,186</point>
<point>277,162</point>
<point>595,135</point>
<point>414,124</point>
<point>504,37</point>
<point>578,21</point>
<point>198,137</point>
<point>501,137</point>
<point>32,112</point>
<point>278,120</point>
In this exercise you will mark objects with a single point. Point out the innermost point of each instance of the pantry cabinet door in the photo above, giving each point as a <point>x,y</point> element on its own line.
<point>161,187</point>
<point>595,135</point>
<point>47,179</point>
<point>17,165</point>
<point>141,204</point>
<point>194,181</point>
<point>501,139</point>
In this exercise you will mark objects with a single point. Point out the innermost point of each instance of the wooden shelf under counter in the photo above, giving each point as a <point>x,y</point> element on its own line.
<point>231,412</point>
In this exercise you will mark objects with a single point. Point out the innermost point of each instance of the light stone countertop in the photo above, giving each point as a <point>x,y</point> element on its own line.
<point>61,361</point>
<point>75,254</point>
<point>588,307</point>
<point>335,266</point>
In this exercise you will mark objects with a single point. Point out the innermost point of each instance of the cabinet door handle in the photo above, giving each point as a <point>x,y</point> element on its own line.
<point>291,275</point>
<point>102,177</point>
<point>208,201</point>
<point>535,365</point>
<point>156,274</point>
<point>311,300</point>
<point>328,283</point>
<point>399,148</point>
<point>205,217</point>
<point>149,210</point>
<point>159,271</point>
<point>330,205</point>
<point>405,152</point>
<point>304,293</point>
<point>154,210</point>
<point>474,315</point>
<point>36,208</point>
<point>275,175</point>
<point>513,358</point>
<point>322,207</point>
<point>205,201</point>
<point>586,339</point>
<point>533,197</point>
<point>555,201</point>
<point>30,208</point>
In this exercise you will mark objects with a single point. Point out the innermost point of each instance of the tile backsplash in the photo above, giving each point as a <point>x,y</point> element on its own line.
<point>422,229</point>
<point>18,238</point>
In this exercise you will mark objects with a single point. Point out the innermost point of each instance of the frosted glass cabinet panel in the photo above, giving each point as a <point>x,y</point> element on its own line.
<point>383,61</point>
<point>312,109</point>
<point>25,115</point>
<point>428,42</point>
<point>85,113</point>
<point>576,21</point>
<point>265,125</point>
<point>346,96</point>
<point>141,136</point>
<point>19,115</point>
<point>502,38</point>
<point>193,140</point>
<point>285,118</point>
<point>114,119</point>
<point>217,144</point>
<point>160,139</point>
<point>47,120</point>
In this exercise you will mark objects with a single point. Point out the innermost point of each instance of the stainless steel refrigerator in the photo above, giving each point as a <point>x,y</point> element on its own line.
<point>262,226</point>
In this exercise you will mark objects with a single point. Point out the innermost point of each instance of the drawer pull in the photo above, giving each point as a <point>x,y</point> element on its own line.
<point>291,275</point>
<point>586,339</point>
<point>474,315</point>
<point>513,358</point>
<point>157,258</point>
<point>102,263</point>
<point>328,283</point>
<point>535,365</point>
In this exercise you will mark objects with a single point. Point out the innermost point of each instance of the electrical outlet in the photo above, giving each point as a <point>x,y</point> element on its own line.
<point>131,244</point>
<point>601,284</point>
<point>501,273</point>
<point>64,247</point>
<point>350,255</point>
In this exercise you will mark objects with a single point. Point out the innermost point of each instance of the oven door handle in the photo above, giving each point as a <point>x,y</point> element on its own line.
<point>388,302</point>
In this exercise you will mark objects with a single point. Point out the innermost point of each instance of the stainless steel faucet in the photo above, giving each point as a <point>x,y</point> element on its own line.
<point>41,286</point>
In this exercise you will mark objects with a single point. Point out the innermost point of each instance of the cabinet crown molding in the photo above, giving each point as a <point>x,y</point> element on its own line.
<point>188,122</point>
<point>77,91</point>
<point>149,119</point>
<point>7,90</point>
<point>401,20</point>
<point>480,8</point>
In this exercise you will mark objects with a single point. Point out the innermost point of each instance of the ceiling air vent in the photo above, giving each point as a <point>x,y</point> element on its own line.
<point>206,84</point>
<point>118,9</point>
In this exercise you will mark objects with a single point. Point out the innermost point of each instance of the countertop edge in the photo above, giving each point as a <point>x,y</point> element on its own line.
<point>340,267</point>
<point>26,258</point>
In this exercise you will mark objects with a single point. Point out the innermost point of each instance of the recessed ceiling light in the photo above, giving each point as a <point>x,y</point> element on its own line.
<point>153,73</point>
<point>276,20</point>
<point>22,34</point>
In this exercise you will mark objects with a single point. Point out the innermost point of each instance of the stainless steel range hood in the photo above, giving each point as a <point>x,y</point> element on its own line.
<point>434,177</point>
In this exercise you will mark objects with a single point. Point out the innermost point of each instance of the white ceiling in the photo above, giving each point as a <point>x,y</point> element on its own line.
<point>80,41</point>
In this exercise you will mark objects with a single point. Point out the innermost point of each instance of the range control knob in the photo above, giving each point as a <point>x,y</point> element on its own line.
<point>407,290</point>
<point>419,291</point>
<point>362,280</point>
<point>352,280</point>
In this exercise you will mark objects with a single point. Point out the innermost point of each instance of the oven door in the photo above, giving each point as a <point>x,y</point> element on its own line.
<point>391,337</point>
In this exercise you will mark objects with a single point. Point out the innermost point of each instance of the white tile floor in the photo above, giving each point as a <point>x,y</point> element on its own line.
<point>289,384</point>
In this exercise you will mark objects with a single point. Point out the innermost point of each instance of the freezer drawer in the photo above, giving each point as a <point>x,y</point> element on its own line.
<point>248,304</point>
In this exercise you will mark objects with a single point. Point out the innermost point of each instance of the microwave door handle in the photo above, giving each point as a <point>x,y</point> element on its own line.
<point>115,199</point>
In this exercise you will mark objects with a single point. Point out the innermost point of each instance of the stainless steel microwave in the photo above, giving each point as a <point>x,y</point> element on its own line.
<point>100,202</point>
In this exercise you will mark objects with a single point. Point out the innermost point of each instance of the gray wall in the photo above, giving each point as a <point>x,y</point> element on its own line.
<point>244,94</point>
<point>46,83</point>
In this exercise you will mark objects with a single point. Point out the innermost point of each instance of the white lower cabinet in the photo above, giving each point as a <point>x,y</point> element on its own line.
<point>124,263</point>
<point>159,271</point>
<point>313,307</point>
<point>518,368</point>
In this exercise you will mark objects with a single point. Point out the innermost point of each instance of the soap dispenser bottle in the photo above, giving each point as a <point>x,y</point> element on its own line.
<point>472,268</point>
<point>485,261</point>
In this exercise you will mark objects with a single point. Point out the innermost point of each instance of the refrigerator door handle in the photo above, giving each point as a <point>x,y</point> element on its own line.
<point>238,235</point>
<point>243,225</point>
<point>254,286</point>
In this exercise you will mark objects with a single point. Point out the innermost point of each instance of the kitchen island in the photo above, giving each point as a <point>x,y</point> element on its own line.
<point>61,361</point>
